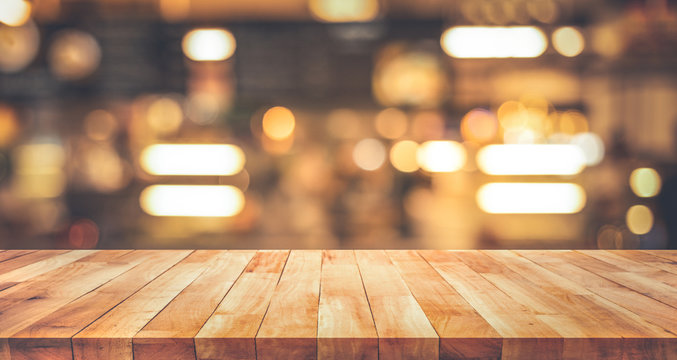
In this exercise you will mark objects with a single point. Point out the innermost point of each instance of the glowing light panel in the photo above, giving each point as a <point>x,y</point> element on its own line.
<point>531,159</point>
<point>192,159</point>
<point>531,198</point>
<point>192,200</point>
<point>494,42</point>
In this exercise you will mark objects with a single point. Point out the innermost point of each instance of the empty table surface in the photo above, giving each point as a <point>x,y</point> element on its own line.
<point>338,304</point>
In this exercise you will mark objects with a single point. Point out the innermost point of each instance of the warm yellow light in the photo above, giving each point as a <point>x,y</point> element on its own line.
<point>403,156</point>
<point>344,10</point>
<point>391,123</point>
<point>14,12</point>
<point>479,125</point>
<point>369,154</point>
<point>74,55</point>
<point>531,159</point>
<point>192,200</point>
<point>645,182</point>
<point>568,41</point>
<point>278,123</point>
<point>209,44</point>
<point>39,170</point>
<point>18,46</point>
<point>174,10</point>
<point>531,198</point>
<point>441,156</point>
<point>494,42</point>
<point>639,219</point>
<point>164,115</point>
<point>192,159</point>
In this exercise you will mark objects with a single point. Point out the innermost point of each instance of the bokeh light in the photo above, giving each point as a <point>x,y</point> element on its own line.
<point>209,44</point>
<point>74,55</point>
<point>572,122</point>
<point>639,219</point>
<point>18,46</point>
<point>479,125</point>
<point>164,115</point>
<point>9,125</point>
<point>100,125</point>
<point>533,159</point>
<point>15,12</point>
<point>609,237</point>
<point>403,156</point>
<point>369,154</point>
<point>568,41</point>
<point>192,200</point>
<point>192,159</point>
<point>39,170</point>
<point>591,145</point>
<point>278,123</point>
<point>645,182</point>
<point>404,77</point>
<point>83,234</point>
<point>391,123</point>
<point>441,156</point>
<point>344,10</point>
<point>531,198</point>
<point>494,42</point>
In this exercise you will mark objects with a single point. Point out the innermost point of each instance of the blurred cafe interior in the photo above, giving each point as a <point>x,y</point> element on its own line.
<point>444,124</point>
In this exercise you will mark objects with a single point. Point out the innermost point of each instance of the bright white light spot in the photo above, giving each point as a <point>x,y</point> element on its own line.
<point>531,198</point>
<point>14,12</point>
<point>192,200</point>
<point>494,42</point>
<point>209,44</point>
<point>441,156</point>
<point>534,159</point>
<point>192,159</point>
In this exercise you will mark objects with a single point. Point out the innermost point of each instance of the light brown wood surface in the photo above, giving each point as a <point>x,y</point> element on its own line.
<point>337,304</point>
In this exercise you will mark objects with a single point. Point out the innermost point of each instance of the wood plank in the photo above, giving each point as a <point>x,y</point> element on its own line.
<point>11,254</point>
<point>49,337</point>
<point>591,325</point>
<point>644,347</point>
<point>110,337</point>
<point>289,328</point>
<point>170,334</point>
<point>653,286</point>
<point>463,332</point>
<point>29,301</point>
<point>346,328</point>
<point>666,254</point>
<point>524,334</point>
<point>230,332</point>
<point>649,259</point>
<point>404,331</point>
<point>15,264</point>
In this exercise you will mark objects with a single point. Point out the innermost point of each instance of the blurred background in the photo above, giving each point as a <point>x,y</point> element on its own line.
<point>338,124</point>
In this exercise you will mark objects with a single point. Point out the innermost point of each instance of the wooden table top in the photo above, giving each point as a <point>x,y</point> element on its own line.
<point>337,304</point>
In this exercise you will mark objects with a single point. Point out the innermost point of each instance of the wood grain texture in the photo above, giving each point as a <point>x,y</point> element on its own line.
<point>404,331</point>
<point>463,332</point>
<point>111,335</point>
<point>230,332</point>
<point>170,334</point>
<point>346,328</point>
<point>38,339</point>
<point>337,304</point>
